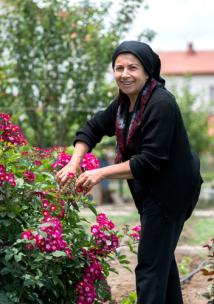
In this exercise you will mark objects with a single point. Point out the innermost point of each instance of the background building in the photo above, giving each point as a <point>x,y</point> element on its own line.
<point>197,64</point>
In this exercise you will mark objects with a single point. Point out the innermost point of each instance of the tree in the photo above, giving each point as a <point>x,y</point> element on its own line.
<point>54,60</point>
<point>195,118</point>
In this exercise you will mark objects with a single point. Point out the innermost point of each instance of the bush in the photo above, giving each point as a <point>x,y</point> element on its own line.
<point>46,253</point>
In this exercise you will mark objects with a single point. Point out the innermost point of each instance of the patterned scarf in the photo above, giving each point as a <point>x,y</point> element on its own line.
<point>121,118</point>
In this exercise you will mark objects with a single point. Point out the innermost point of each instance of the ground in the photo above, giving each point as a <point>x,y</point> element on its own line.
<point>124,283</point>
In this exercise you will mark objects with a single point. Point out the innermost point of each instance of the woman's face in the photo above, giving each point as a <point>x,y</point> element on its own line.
<point>130,75</point>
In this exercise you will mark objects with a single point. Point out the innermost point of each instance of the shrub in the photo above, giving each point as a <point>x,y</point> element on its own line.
<point>47,255</point>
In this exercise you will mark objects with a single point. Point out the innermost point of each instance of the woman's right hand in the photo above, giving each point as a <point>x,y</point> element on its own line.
<point>64,175</point>
<point>73,167</point>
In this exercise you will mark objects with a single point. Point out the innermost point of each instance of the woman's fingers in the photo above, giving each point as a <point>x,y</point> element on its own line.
<point>89,178</point>
<point>66,173</point>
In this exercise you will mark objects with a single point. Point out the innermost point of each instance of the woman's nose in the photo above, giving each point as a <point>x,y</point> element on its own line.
<point>125,73</point>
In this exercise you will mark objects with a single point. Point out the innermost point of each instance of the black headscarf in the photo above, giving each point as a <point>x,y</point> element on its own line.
<point>149,59</point>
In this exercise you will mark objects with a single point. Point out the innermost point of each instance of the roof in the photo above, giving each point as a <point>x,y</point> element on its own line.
<point>190,61</point>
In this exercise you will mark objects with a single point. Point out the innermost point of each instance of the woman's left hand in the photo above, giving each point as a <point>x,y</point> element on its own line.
<point>88,179</point>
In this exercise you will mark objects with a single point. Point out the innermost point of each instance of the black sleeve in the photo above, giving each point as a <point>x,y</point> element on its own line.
<point>156,140</point>
<point>103,123</point>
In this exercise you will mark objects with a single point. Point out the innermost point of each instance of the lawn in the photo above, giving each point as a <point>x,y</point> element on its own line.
<point>197,231</point>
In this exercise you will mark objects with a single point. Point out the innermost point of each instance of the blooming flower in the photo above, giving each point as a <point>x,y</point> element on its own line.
<point>10,133</point>
<point>27,235</point>
<point>29,176</point>
<point>136,234</point>
<point>6,177</point>
<point>104,222</point>
<point>89,161</point>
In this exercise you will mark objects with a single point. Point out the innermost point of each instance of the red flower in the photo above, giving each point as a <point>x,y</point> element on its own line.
<point>29,176</point>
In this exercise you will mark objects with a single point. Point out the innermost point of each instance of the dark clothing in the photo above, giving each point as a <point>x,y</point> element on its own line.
<point>166,173</point>
<point>157,278</point>
<point>164,168</point>
<point>165,188</point>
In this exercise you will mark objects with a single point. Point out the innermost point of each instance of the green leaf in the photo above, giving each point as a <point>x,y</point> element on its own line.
<point>4,299</point>
<point>58,254</point>
<point>124,262</point>
<point>19,256</point>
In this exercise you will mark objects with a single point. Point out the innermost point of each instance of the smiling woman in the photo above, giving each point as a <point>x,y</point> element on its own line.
<point>130,76</point>
<point>154,155</point>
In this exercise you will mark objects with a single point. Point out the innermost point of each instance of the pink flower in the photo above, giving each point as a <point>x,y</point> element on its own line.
<point>95,229</point>
<point>62,160</point>
<point>45,203</point>
<point>90,162</point>
<point>11,133</point>
<point>136,234</point>
<point>28,235</point>
<point>52,207</point>
<point>102,219</point>
<point>11,179</point>
<point>5,118</point>
<point>8,177</point>
<point>137,228</point>
<point>37,162</point>
<point>29,176</point>
<point>110,225</point>
<point>104,222</point>
<point>70,175</point>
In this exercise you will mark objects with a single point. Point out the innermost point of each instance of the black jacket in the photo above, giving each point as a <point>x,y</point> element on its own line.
<point>162,163</point>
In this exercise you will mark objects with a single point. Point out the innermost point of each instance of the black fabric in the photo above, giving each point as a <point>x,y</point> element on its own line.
<point>157,278</point>
<point>145,54</point>
<point>161,160</point>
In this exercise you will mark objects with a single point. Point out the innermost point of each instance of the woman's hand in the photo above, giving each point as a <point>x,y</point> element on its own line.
<point>64,175</point>
<point>88,179</point>
<point>73,168</point>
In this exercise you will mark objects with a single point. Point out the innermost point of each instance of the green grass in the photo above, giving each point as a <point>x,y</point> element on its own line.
<point>197,231</point>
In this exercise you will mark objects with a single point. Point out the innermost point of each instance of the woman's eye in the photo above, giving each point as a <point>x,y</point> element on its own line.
<point>119,69</point>
<point>133,68</point>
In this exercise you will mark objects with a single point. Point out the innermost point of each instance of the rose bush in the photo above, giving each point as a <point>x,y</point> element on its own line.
<point>48,252</point>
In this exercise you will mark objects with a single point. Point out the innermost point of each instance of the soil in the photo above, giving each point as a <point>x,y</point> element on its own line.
<point>124,282</point>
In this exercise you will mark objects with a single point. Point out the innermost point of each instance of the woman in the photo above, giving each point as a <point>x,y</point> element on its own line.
<point>154,155</point>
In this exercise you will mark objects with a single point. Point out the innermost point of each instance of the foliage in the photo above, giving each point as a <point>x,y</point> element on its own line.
<point>184,264</point>
<point>195,118</point>
<point>131,299</point>
<point>209,272</point>
<point>54,61</point>
<point>46,254</point>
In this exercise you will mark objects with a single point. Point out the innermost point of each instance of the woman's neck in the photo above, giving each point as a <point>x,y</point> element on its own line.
<point>132,100</point>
